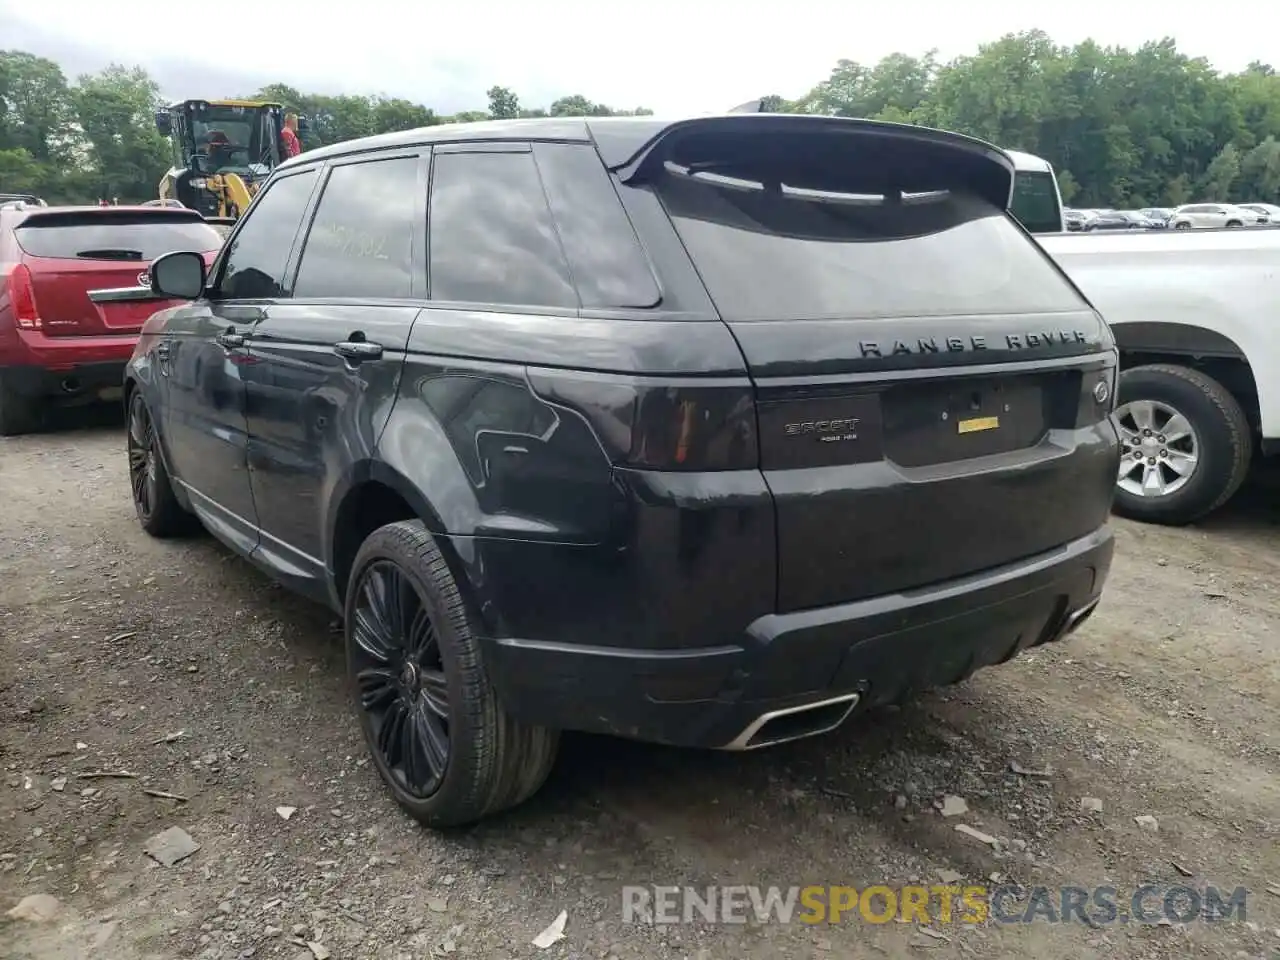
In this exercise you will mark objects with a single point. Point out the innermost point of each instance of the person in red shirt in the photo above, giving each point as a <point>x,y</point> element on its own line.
<point>289,141</point>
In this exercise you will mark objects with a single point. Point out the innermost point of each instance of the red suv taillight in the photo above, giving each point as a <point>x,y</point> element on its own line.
<point>23,297</point>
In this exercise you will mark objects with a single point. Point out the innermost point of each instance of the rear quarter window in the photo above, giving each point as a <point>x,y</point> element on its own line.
<point>802,254</point>
<point>608,264</point>
<point>142,238</point>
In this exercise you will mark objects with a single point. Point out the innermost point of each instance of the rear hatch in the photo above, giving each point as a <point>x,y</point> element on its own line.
<point>71,252</point>
<point>924,374</point>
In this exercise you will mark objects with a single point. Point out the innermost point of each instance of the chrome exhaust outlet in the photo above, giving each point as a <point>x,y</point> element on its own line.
<point>1078,617</point>
<point>834,712</point>
<point>70,385</point>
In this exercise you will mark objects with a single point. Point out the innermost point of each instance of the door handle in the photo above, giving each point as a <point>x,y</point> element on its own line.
<point>230,339</point>
<point>358,350</point>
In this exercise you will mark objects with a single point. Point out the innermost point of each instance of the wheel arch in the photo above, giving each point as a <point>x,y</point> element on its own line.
<point>372,495</point>
<point>1145,342</point>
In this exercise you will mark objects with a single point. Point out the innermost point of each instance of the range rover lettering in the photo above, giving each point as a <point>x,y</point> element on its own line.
<point>706,432</point>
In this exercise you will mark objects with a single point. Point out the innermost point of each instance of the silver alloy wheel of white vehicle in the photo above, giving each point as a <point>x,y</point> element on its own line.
<point>1160,449</point>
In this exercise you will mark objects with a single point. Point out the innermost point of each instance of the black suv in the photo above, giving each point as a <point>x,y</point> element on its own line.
<point>702,432</point>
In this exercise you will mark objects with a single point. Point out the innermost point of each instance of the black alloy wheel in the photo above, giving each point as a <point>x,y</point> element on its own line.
<point>400,678</point>
<point>143,460</point>
<point>159,511</point>
<point>440,739</point>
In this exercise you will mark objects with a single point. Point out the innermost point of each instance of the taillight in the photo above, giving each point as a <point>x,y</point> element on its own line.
<point>661,426</point>
<point>23,297</point>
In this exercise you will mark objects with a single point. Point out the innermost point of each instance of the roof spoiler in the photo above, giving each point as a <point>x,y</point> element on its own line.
<point>980,166</point>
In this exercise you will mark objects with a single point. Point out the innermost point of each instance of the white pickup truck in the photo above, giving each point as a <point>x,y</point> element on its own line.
<point>1196,315</point>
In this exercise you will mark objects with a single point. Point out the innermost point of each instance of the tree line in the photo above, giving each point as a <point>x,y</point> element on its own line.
<point>1123,128</point>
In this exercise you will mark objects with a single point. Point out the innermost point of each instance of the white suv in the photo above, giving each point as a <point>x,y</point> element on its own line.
<point>1214,215</point>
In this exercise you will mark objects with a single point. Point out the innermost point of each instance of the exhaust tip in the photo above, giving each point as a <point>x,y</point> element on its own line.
<point>1077,619</point>
<point>71,385</point>
<point>794,723</point>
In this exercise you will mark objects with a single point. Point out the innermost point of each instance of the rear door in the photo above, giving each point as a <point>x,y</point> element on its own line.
<point>924,374</point>
<point>71,252</point>
<point>325,361</point>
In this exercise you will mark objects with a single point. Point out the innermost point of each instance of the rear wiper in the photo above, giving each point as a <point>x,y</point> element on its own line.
<point>109,253</point>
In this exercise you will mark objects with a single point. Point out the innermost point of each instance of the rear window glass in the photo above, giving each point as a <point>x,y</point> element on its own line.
<point>114,238</point>
<point>1035,202</point>
<point>789,252</point>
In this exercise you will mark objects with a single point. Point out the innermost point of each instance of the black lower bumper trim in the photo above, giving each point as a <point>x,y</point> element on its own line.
<point>79,380</point>
<point>880,649</point>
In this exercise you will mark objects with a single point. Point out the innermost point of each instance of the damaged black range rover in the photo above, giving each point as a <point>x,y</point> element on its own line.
<point>704,432</point>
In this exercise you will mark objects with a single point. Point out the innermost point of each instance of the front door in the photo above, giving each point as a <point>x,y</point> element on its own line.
<point>204,417</point>
<point>205,422</point>
<point>326,362</point>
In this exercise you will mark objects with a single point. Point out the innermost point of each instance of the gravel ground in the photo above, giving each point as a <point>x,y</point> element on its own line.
<point>180,664</point>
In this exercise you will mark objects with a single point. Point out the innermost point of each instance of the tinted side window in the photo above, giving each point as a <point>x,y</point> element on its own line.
<point>254,265</point>
<point>492,239</point>
<point>608,264</point>
<point>361,239</point>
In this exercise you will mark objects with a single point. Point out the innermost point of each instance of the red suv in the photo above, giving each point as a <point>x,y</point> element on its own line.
<point>55,343</point>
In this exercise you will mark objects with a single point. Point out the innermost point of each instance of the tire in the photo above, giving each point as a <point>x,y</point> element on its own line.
<point>491,762</point>
<point>158,510</point>
<point>1234,223</point>
<point>1220,438</point>
<point>1182,226</point>
<point>18,414</point>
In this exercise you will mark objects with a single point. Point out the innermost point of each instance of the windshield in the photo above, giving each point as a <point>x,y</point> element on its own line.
<point>230,138</point>
<point>797,253</point>
<point>1035,202</point>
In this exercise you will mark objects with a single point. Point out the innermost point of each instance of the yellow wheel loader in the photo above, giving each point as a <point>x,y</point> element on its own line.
<point>223,150</point>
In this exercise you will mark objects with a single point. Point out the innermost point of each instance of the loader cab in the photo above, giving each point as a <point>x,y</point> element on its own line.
<point>212,141</point>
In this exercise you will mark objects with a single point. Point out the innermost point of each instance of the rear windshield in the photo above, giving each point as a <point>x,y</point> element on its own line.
<point>143,237</point>
<point>802,254</point>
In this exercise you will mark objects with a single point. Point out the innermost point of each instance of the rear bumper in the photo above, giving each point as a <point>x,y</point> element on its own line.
<point>799,674</point>
<point>67,381</point>
<point>36,365</point>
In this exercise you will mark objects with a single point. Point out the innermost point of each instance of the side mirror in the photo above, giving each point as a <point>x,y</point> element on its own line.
<point>180,275</point>
<point>164,123</point>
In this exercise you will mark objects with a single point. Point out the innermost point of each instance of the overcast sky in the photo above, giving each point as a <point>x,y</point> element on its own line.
<point>675,57</point>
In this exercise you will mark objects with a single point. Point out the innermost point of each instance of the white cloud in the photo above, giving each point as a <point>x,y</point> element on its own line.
<point>674,57</point>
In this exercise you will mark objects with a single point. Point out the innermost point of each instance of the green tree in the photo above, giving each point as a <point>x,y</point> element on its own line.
<point>1067,186</point>
<point>36,114</point>
<point>1122,126</point>
<point>20,172</point>
<point>1260,172</point>
<point>503,104</point>
<point>116,110</point>
<point>1222,174</point>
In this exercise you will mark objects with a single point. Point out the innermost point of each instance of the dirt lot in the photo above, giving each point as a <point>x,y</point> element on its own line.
<point>182,665</point>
